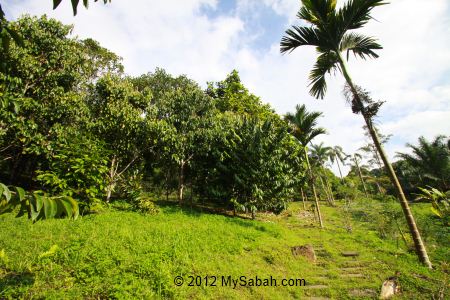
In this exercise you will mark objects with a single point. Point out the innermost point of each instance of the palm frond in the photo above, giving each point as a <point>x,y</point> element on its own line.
<point>298,36</point>
<point>2,14</point>
<point>356,13</point>
<point>317,11</point>
<point>360,45</point>
<point>325,63</point>
<point>320,153</point>
<point>303,124</point>
<point>358,156</point>
<point>315,132</point>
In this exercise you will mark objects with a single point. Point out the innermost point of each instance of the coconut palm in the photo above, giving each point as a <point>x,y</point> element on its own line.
<point>303,126</point>
<point>330,32</point>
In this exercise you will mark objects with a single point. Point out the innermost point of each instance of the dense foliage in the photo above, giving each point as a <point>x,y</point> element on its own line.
<point>74,125</point>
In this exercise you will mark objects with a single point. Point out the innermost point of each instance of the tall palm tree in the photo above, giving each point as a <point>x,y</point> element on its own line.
<point>320,154</point>
<point>337,154</point>
<point>303,125</point>
<point>356,158</point>
<point>330,31</point>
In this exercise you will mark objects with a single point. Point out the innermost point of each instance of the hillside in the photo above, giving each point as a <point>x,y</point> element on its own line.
<point>118,253</point>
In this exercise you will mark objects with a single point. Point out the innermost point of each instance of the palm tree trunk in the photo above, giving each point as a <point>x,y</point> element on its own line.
<point>361,177</point>
<point>418,243</point>
<point>303,198</point>
<point>313,188</point>
<point>330,190</point>
<point>325,190</point>
<point>379,188</point>
<point>339,167</point>
<point>340,173</point>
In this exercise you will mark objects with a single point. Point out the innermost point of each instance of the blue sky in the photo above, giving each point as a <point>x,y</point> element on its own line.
<point>206,39</point>
<point>263,26</point>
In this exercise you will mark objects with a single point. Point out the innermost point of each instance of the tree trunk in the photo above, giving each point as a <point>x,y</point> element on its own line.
<point>418,243</point>
<point>339,167</point>
<point>330,190</point>
<point>14,168</point>
<point>181,183</point>
<point>303,198</point>
<point>360,176</point>
<point>111,178</point>
<point>109,190</point>
<point>325,190</point>
<point>340,173</point>
<point>314,189</point>
<point>379,188</point>
<point>191,199</point>
<point>167,185</point>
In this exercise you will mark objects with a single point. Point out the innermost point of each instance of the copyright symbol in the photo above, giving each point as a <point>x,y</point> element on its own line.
<point>178,281</point>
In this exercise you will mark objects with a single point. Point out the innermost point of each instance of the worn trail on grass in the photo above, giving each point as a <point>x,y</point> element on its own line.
<point>349,268</point>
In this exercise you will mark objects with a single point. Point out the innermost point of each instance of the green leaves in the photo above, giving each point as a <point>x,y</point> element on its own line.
<point>356,13</point>
<point>301,36</point>
<point>439,200</point>
<point>303,124</point>
<point>360,45</point>
<point>56,3</point>
<point>50,252</point>
<point>78,168</point>
<point>328,32</point>
<point>260,168</point>
<point>326,62</point>
<point>8,32</point>
<point>36,205</point>
<point>75,3</point>
<point>317,11</point>
<point>428,164</point>
<point>5,192</point>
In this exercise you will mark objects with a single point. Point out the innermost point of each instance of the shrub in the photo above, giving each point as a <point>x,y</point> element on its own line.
<point>77,169</point>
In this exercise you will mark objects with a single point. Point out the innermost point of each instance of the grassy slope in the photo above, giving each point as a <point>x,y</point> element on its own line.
<point>120,254</point>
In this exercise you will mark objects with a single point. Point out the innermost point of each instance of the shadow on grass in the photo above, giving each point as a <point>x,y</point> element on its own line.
<point>15,281</point>
<point>360,215</point>
<point>198,210</point>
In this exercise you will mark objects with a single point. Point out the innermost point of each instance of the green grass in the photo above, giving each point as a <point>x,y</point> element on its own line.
<point>123,254</point>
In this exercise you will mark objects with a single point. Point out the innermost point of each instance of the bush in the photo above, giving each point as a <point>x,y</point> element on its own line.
<point>145,205</point>
<point>77,169</point>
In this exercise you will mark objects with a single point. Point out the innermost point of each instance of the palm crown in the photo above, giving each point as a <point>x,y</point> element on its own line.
<point>303,124</point>
<point>320,153</point>
<point>329,33</point>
